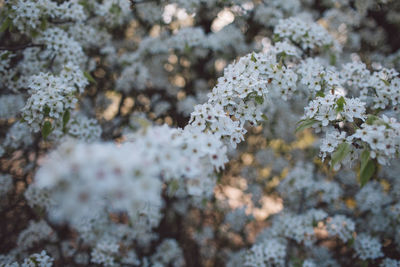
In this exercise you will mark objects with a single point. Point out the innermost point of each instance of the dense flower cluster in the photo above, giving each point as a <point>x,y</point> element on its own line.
<point>367,247</point>
<point>308,35</point>
<point>168,156</point>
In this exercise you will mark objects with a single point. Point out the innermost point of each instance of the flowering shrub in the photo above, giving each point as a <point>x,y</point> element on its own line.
<point>199,133</point>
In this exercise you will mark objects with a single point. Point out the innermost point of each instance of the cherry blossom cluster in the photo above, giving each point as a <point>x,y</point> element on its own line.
<point>30,16</point>
<point>382,137</point>
<point>60,46</point>
<point>269,15</point>
<point>241,92</point>
<point>271,252</point>
<point>308,35</point>
<point>36,259</point>
<point>52,96</point>
<point>317,77</point>
<point>303,224</point>
<point>379,89</point>
<point>333,108</point>
<point>114,172</point>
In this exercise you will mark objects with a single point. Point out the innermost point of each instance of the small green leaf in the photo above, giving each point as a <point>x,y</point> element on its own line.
<point>259,99</point>
<point>351,241</point>
<point>173,186</point>
<point>304,124</point>
<point>371,119</point>
<point>46,129</point>
<point>11,27</point>
<point>385,82</point>
<point>367,168</point>
<point>281,57</point>
<point>340,104</point>
<point>187,49</point>
<point>89,77</point>
<point>297,262</point>
<point>85,4</point>
<point>34,33</point>
<point>115,9</point>
<point>264,117</point>
<point>340,153</point>
<point>46,110</point>
<point>364,158</point>
<point>43,24</point>
<point>320,93</point>
<point>332,59</point>
<point>15,77</point>
<point>66,117</point>
<point>5,55</point>
<point>276,38</point>
<point>219,176</point>
<point>314,223</point>
<point>6,24</point>
<point>253,58</point>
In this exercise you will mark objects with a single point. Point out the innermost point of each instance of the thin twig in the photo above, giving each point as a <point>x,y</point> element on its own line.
<point>50,67</point>
<point>20,47</point>
<point>141,2</point>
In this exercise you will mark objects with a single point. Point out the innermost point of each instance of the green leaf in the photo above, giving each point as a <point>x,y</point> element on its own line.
<point>340,153</point>
<point>364,158</point>
<point>276,38</point>
<point>46,110</point>
<point>187,49</point>
<point>340,104</point>
<point>43,24</point>
<point>219,176</point>
<point>367,168</point>
<point>46,129</point>
<point>314,223</point>
<point>34,33</point>
<point>253,58</point>
<point>371,119</point>
<point>174,186</point>
<point>5,55</point>
<point>385,82</point>
<point>259,99</point>
<point>332,59</point>
<point>264,117</point>
<point>11,27</point>
<point>320,93</point>
<point>85,4</point>
<point>115,9</point>
<point>281,57</point>
<point>6,24</point>
<point>297,262</point>
<point>89,77</point>
<point>304,124</point>
<point>66,117</point>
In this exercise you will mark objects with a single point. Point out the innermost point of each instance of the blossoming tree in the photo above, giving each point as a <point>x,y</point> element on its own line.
<point>199,133</point>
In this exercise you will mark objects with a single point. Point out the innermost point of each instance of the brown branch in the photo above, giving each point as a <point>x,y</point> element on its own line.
<point>20,47</point>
